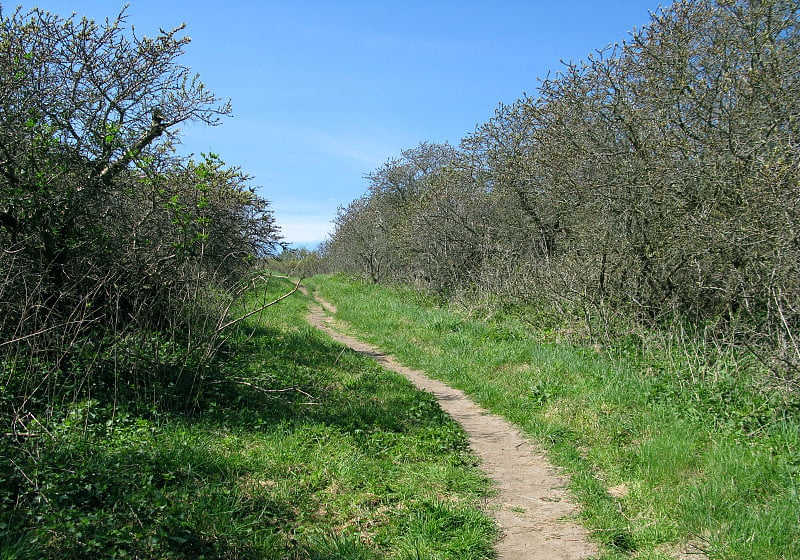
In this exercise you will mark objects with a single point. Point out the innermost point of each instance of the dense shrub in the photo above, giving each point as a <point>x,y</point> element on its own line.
<point>118,257</point>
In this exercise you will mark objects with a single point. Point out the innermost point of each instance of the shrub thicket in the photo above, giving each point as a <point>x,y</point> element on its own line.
<point>656,180</point>
<point>118,258</point>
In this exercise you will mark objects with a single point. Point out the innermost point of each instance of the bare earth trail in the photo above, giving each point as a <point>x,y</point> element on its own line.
<point>532,507</point>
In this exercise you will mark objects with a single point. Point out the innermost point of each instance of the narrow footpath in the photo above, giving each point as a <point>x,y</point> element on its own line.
<point>532,507</point>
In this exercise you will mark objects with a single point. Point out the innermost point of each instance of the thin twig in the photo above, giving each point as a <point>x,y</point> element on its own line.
<point>339,356</point>
<point>259,309</point>
<point>263,389</point>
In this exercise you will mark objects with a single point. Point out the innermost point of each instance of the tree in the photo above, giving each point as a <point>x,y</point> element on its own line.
<point>409,226</point>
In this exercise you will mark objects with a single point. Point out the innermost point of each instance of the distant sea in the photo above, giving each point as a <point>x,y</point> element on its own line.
<point>310,245</point>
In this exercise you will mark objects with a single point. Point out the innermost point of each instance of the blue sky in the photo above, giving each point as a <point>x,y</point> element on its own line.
<point>324,92</point>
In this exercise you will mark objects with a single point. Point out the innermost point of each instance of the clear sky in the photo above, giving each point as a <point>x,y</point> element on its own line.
<point>325,91</point>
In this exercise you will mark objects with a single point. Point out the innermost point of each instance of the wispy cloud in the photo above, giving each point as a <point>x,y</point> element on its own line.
<point>369,148</point>
<point>365,147</point>
<point>304,229</point>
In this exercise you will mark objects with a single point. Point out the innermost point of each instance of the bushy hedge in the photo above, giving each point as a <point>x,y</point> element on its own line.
<point>656,180</point>
<point>118,258</point>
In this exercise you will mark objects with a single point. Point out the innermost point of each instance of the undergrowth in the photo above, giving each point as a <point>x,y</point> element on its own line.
<point>294,449</point>
<point>672,446</point>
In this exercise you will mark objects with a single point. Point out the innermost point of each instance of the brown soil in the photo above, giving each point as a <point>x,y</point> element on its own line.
<point>532,507</point>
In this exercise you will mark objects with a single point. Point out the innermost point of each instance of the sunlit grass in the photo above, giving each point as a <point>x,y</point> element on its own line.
<point>666,450</point>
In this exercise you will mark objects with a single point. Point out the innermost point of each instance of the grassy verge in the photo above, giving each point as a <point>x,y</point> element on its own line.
<point>664,454</point>
<point>299,450</point>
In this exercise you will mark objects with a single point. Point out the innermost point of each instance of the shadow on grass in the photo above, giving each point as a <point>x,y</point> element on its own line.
<point>202,483</point>
<point>301,376</point>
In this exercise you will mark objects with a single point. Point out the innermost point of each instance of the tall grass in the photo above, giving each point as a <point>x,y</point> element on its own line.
<point>297,449</point>
<point>671,447</point>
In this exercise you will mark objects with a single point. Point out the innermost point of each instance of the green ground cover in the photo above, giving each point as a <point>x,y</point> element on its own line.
<point>667,450</point>
<point>298,449</point>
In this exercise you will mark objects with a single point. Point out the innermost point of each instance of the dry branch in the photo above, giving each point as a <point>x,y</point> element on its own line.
<point>259,309</point>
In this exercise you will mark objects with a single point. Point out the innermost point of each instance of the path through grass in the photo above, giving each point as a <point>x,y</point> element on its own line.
<point>299,450</point>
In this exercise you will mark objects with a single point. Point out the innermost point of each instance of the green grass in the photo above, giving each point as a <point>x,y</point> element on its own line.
<point>299,450</point>
<point>665,450</point>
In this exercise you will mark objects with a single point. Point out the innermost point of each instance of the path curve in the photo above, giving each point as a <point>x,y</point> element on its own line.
<point>532,507</point>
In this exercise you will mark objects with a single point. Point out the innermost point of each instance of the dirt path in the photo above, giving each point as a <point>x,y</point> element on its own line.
<point>532,505</point>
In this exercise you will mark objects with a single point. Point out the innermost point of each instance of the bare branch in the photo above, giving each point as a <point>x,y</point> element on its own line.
<point>259,309</point>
